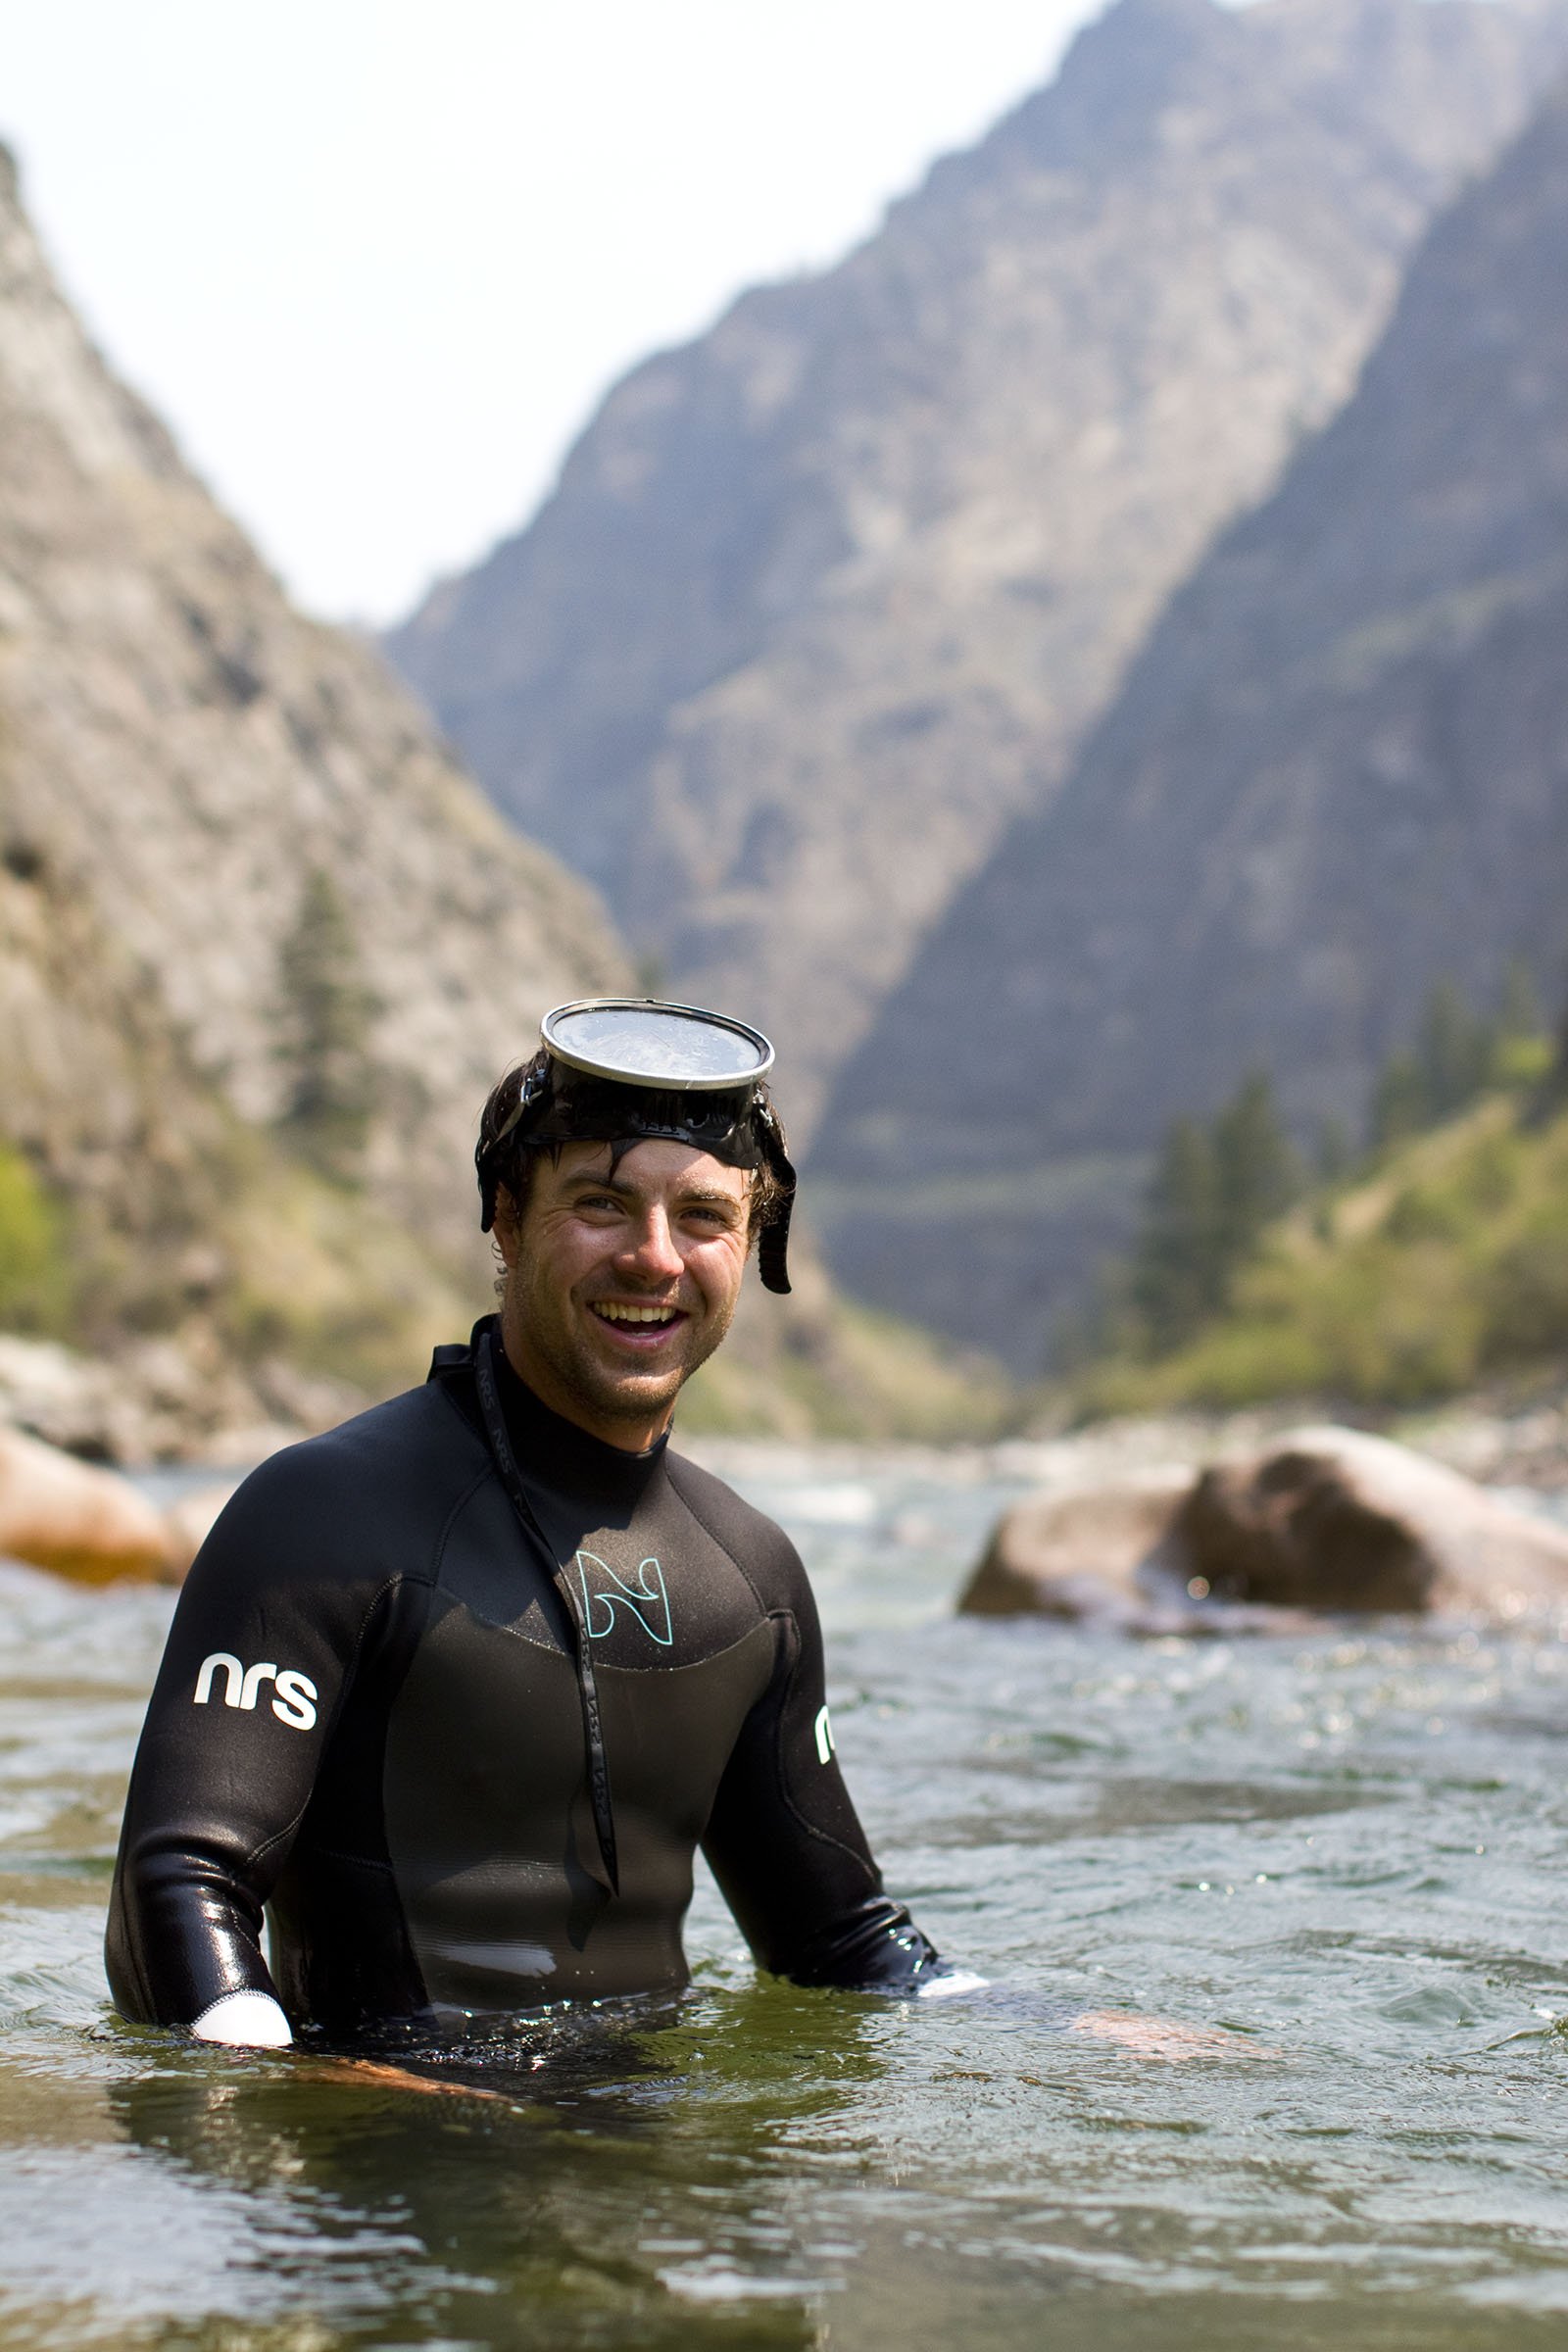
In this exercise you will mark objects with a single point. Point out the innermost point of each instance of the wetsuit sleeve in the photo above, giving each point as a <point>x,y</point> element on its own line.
<point>259,1656</point>
<point>783,1839</point>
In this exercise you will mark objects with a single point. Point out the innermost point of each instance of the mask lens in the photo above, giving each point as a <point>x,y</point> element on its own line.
<point>673,1046</point>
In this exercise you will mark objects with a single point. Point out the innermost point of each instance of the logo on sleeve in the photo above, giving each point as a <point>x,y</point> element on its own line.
<point>605,1591</point>
<point>823,1728</point>
<point>294,1694</point>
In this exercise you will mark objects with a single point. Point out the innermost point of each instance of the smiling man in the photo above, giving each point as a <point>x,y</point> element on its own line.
<point>454,1694</point>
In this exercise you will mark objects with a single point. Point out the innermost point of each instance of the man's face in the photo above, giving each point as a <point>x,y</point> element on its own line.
<point>620,1283</point>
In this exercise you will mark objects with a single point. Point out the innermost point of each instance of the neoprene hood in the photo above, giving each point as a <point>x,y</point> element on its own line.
<point>627,1069</point>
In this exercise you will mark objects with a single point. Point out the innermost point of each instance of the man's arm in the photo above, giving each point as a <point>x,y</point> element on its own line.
<point>258,1659</point>
<point>783,1839</point>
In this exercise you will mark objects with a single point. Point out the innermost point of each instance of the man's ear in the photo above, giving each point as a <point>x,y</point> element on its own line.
<point>503,1226</point>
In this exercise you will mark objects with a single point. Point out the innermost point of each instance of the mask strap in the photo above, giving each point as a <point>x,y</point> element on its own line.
<point>772,1247</point>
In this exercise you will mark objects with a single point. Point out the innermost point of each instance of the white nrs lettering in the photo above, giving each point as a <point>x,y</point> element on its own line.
<point>233,1679</point>
<point>293,1693</point>
<point>295,1702</point>
<point>824,1735</point>
<point>255,1676</point>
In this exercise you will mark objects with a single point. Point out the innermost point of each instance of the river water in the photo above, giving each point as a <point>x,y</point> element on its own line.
<point>1340,1859</point>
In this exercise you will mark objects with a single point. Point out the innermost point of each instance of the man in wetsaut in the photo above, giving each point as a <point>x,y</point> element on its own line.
<point>454,1692</point>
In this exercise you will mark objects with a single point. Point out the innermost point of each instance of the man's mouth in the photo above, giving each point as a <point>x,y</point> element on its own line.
<point>619,1310</point>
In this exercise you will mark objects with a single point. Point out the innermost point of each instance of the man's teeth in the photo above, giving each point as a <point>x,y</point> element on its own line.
<point>614,1312</point>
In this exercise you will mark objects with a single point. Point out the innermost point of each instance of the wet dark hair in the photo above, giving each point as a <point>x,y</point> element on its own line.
<point>509,1145</point>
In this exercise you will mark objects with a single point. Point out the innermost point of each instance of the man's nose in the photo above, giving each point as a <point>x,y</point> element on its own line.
<point>654,1252</point>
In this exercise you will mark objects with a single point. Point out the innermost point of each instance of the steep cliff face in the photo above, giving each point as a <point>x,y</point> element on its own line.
<point>1338,773</point>
<point>181,755</point>
<point>238,879</point>
<point>825,598</point>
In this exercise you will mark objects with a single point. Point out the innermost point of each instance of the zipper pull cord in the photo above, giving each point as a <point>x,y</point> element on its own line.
<point>495,1425</point>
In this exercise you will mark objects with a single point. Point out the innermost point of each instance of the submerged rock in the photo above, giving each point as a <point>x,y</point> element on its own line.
<point>1322,1519</point>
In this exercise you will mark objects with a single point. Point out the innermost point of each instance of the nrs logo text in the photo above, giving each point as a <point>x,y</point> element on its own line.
<point>294,1694</point>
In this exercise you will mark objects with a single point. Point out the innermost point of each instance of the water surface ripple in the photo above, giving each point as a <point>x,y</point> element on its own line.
<point>1344,1849</point>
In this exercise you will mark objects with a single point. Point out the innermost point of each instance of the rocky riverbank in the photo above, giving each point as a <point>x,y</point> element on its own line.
<point>163,1402</point>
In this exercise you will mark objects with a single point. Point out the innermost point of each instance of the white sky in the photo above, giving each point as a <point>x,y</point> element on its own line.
<point>375,260</point>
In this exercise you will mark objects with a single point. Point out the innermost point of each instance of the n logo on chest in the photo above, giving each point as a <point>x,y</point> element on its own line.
<point>608,1594</point>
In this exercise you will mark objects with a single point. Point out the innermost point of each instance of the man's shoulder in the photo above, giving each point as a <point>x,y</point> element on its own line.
<point>757,1542</point>
<point>396,1463</point>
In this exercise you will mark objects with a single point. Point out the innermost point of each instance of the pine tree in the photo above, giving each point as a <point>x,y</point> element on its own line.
<point>1334,1154</point>
<point>1557,1083</point>
<point>1454,1054</point>
<point>1398,1102</point>
<point>1212,1194</point>
<point>326,1017</point>
<point>1173,1271</point>
<point>1258,1173</point>
<point>1519,1008</point>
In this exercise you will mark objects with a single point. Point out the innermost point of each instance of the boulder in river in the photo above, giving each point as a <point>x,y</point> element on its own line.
<point>1322,1519</point>
<point>1075,1552</point>
<point>1329,1518</point>
<point>56,1513</point>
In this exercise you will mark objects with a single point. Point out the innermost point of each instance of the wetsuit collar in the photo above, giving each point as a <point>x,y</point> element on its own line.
<point>566,1456</point>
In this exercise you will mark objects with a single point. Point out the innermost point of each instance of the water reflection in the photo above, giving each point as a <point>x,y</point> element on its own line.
<point>587,2178</point>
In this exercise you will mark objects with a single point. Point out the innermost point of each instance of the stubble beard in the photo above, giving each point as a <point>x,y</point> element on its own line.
<point>630,1396</point>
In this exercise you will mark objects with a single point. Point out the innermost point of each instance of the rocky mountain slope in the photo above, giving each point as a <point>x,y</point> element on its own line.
<point>186,768</point>
<point>1338,773</point>
<point>826,597</point>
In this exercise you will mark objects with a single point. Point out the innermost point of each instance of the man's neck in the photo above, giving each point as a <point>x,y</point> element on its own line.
<point>633,1436</point>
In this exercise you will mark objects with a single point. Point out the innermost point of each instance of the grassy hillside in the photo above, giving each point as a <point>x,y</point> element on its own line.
<point>1442,1266</point>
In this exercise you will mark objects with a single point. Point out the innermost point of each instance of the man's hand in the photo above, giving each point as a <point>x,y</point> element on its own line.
<point>247,2021</point>
<point>1158,2038</point>
<point>944,1982</point>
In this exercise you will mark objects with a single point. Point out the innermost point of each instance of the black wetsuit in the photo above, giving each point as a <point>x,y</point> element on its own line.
<point>369,1719</point>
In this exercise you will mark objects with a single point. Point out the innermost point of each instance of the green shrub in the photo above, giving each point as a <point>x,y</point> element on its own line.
<point>1495,1174</point>
<point>1522,1062</point>
<point>1427,1212</point>
<point>34,1263</point>
<point>1378,1323</point>
<point>1248,1362</point>
<point>1524,1292</point>
<point>1448,1261</point>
